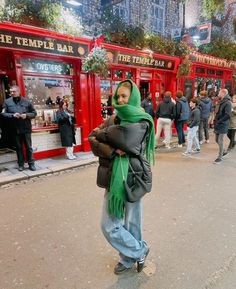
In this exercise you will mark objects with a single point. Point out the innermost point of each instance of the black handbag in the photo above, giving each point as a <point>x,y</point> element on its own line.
<point>141,181</point>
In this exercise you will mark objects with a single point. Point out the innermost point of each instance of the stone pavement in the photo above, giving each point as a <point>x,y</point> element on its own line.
<point>9,170</point>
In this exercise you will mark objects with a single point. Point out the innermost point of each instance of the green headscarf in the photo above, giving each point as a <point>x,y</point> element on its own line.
<point>130,112</point>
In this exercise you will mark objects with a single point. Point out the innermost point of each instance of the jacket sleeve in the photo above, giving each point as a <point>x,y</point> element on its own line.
<point>177,110</point>
<point>227,114</point>
<point>99,148</point>
<point>127,138</point>
<point>5,112</point>
<point>31,111</point>
<point>196,118</point>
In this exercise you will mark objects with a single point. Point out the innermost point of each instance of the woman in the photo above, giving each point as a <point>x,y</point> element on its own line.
<point>66,127</point>
<point>232,124</point>
<point>118,142</point>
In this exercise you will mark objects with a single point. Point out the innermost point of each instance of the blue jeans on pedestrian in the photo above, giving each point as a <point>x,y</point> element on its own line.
<point>125,234</point>
<point>179,125</point>
<point>192,138</point>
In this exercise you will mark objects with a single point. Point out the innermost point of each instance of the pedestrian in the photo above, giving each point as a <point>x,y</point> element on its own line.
<point>182,111</point>
<point>192,128</point>
<point>205,104</point>
<point>165,113</point>
<point>20,111</point>
<point>232,124</point>
<point>146,104</point>
<point>221,124</point>
<point>66,127</point>
<point>109,105</point>
<point>118,143</point>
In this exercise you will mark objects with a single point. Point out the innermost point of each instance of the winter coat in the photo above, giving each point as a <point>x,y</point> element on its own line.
<point>165,109</point>
<point>194,118</point>
<point>206,106</point>
<point>66,128</point>
<point>182,109</point>
<point>232,121</point>
<point>10,107</point>
<point>223,113</point>
<point>146,104</point>
<point>108,137</point>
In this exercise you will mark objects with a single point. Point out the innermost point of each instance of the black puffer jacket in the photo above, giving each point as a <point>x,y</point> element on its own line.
<point>222,117</point>
<point>108,137</point>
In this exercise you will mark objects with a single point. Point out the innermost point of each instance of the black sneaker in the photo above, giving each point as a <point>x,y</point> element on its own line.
<point>32,167</point>
<point>225,153</point>
<point>141,262</point>
<point>196,150</point>
<point>218,161</point>
<point>120,268</point>
<point>21,168</point>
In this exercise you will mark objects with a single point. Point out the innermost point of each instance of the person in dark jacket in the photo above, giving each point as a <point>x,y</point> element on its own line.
<point>232,124</point>
<point>205,104</point>
<point>181,116</point>
<point>118,143</point>
<point>66,127</point>
<point>192,128</point>
<point>21,111</point>
<point>221,122</point>
<point>146,104</point>
<point>165,113</point>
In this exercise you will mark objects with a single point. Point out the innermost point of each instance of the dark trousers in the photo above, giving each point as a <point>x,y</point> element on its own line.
<point>24,139</point>
<point>179,125</point>
<point>231,136</point>
<point>203,127</point>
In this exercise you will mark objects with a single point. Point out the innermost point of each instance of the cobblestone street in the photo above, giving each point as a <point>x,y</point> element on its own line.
<point>51,238</point>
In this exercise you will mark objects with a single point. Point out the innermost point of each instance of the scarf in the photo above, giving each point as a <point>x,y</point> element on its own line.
<point>130,112</point>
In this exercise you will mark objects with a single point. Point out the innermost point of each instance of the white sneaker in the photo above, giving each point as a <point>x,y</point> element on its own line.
<point>180,145</point>
<point>167,147</point>
<point>207,141</point>
<point>186,154</point>
<point>201,142</point>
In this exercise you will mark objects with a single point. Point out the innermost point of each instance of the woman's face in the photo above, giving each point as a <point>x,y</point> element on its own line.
<point>64,106</point>
<point>123,94</point>
<point>234,98</point>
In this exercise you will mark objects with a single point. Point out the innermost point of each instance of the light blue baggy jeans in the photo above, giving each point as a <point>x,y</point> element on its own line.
<point>125,234</point>
<point>192,138</point>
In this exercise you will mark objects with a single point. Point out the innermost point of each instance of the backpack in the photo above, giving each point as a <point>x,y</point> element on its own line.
<point>185,110</point>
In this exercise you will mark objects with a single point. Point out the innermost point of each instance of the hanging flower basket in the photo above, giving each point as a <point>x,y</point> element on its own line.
<point>184,67</point>
<point>96,62</point>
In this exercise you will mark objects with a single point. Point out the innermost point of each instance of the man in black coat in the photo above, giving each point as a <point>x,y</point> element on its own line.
<point>221,123</point>
<point>21,111</point>
<point>146,104</point>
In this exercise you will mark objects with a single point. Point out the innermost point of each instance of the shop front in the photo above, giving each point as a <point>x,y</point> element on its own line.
<point>151,72</point>
<point>208,73</point>
<point>47,67</point>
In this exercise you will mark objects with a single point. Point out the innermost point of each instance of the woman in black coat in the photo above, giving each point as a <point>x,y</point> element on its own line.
<point>67,130</point>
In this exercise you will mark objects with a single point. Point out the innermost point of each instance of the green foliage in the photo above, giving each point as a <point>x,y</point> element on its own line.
<point>96,61</point>
<point>184,67</point>
<point>220,48</point>
<point>43,13</point>
<point>209,7</point>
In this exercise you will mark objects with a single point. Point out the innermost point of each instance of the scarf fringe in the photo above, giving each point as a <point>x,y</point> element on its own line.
<point>116,206</point>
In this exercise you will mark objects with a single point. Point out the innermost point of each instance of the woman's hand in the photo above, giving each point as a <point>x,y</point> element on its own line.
<point>120,152</point>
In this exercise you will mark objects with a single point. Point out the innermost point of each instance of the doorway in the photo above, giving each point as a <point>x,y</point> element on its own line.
<point>144,88</point>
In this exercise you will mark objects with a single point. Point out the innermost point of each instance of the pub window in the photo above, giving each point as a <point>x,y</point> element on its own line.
<point>46,93</point>
<point>117,73</point>
<point>122,10</point>
<point>211,71</point>
<point>128,74</point>
<point>200,70</point>
<point>157,16</point>
<point>219,72</point>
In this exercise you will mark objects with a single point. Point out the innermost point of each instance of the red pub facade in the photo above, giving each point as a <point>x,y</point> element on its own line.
<point>47,67</point>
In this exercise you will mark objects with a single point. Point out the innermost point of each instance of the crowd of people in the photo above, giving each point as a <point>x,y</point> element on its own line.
<point>195,116</point>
